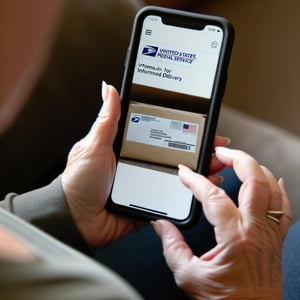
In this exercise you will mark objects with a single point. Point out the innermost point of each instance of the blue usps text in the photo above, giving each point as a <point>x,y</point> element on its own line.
<point>178,56</point>
<point>169,54</point>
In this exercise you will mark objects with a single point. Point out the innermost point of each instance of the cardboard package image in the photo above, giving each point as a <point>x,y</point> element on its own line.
<point>162,136</point>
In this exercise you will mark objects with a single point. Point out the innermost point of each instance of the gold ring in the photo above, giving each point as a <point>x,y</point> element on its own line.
<point>275,215</point>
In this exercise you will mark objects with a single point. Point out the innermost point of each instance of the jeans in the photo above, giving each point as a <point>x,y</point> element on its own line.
<point>291,264</point>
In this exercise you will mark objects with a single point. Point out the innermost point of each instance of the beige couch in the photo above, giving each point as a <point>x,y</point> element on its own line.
<point>91,46</point>
<point>262,99</point>
<point>264,79</point>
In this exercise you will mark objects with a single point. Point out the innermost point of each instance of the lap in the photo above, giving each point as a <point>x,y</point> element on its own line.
<point>139,257</point>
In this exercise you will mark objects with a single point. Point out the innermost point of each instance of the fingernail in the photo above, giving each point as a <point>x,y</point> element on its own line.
<point>228,140</point>
<point>180,167</point>
<point>281,182</point>
<point>156,225</point>
<point>222,150</point>
<point>220,179</point>
<point>104,90</point>
<point>216,179</point>
<point>183,168</point>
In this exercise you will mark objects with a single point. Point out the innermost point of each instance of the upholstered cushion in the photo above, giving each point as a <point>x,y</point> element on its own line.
<point>272,146</point>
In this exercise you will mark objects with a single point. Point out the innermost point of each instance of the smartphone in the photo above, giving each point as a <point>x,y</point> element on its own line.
<point>175,76</point>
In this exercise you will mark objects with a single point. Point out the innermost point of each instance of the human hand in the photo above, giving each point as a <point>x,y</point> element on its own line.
<point>88,177</point>
<point>89,173</point>
<point>246,261</point>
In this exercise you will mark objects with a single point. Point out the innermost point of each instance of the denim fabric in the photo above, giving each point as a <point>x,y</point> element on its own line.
<point>291,264</point>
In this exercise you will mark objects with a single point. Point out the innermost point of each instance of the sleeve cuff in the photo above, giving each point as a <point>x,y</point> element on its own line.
<point>47,209</point>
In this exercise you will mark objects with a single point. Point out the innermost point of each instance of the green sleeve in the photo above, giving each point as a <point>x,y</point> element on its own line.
<point>47,209</point>
<point>57,272</point>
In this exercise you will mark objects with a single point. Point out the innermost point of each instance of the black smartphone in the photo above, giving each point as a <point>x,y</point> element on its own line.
<point>175,76</point>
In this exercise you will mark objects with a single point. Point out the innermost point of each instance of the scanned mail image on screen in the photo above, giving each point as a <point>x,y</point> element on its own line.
<point>163,136</point>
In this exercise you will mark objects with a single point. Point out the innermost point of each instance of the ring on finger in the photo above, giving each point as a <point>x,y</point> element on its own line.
<point>275,215</point>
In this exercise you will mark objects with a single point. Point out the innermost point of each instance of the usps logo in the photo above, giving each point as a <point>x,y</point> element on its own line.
<point>150,50</point>
<point>135,119</point>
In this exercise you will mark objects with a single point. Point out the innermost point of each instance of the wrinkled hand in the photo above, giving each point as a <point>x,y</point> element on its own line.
<point>89,173</point>
<point>246,262</point>
<point>88,177</point>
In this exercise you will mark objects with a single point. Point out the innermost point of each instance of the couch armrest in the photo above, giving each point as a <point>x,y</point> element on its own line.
<point>272,146</point>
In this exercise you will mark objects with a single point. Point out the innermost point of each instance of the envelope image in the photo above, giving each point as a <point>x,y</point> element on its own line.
<point>164,136</point>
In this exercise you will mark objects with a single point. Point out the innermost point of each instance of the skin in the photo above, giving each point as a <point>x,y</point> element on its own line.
<point>11,248</point>
<point>246,262</point>
<point>27,31</point>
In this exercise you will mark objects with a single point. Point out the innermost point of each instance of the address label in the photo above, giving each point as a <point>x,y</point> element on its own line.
<point>162,132</point>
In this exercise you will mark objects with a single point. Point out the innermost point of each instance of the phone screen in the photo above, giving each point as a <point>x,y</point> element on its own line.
<point>169,98</point>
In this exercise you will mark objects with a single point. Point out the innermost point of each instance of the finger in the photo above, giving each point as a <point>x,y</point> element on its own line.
<point>276,203</point>
<point>218,207</point>
<point>254,191</point>
<point>221,141</point>
<point>105,127</point>
<point>286,220</point>
<point>215,179</point>
<point>215,165</point>
<point>176,251</point>
<point>275,200</point>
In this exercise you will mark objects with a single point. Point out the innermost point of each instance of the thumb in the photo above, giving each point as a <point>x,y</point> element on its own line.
<point>106,125</point>
<point>176,251</point>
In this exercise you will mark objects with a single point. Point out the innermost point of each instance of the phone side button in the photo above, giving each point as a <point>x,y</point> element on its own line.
<point>126,58</point>
<point>223,87</point>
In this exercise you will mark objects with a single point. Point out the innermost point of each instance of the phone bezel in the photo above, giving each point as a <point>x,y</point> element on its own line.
<point>216,96</point>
